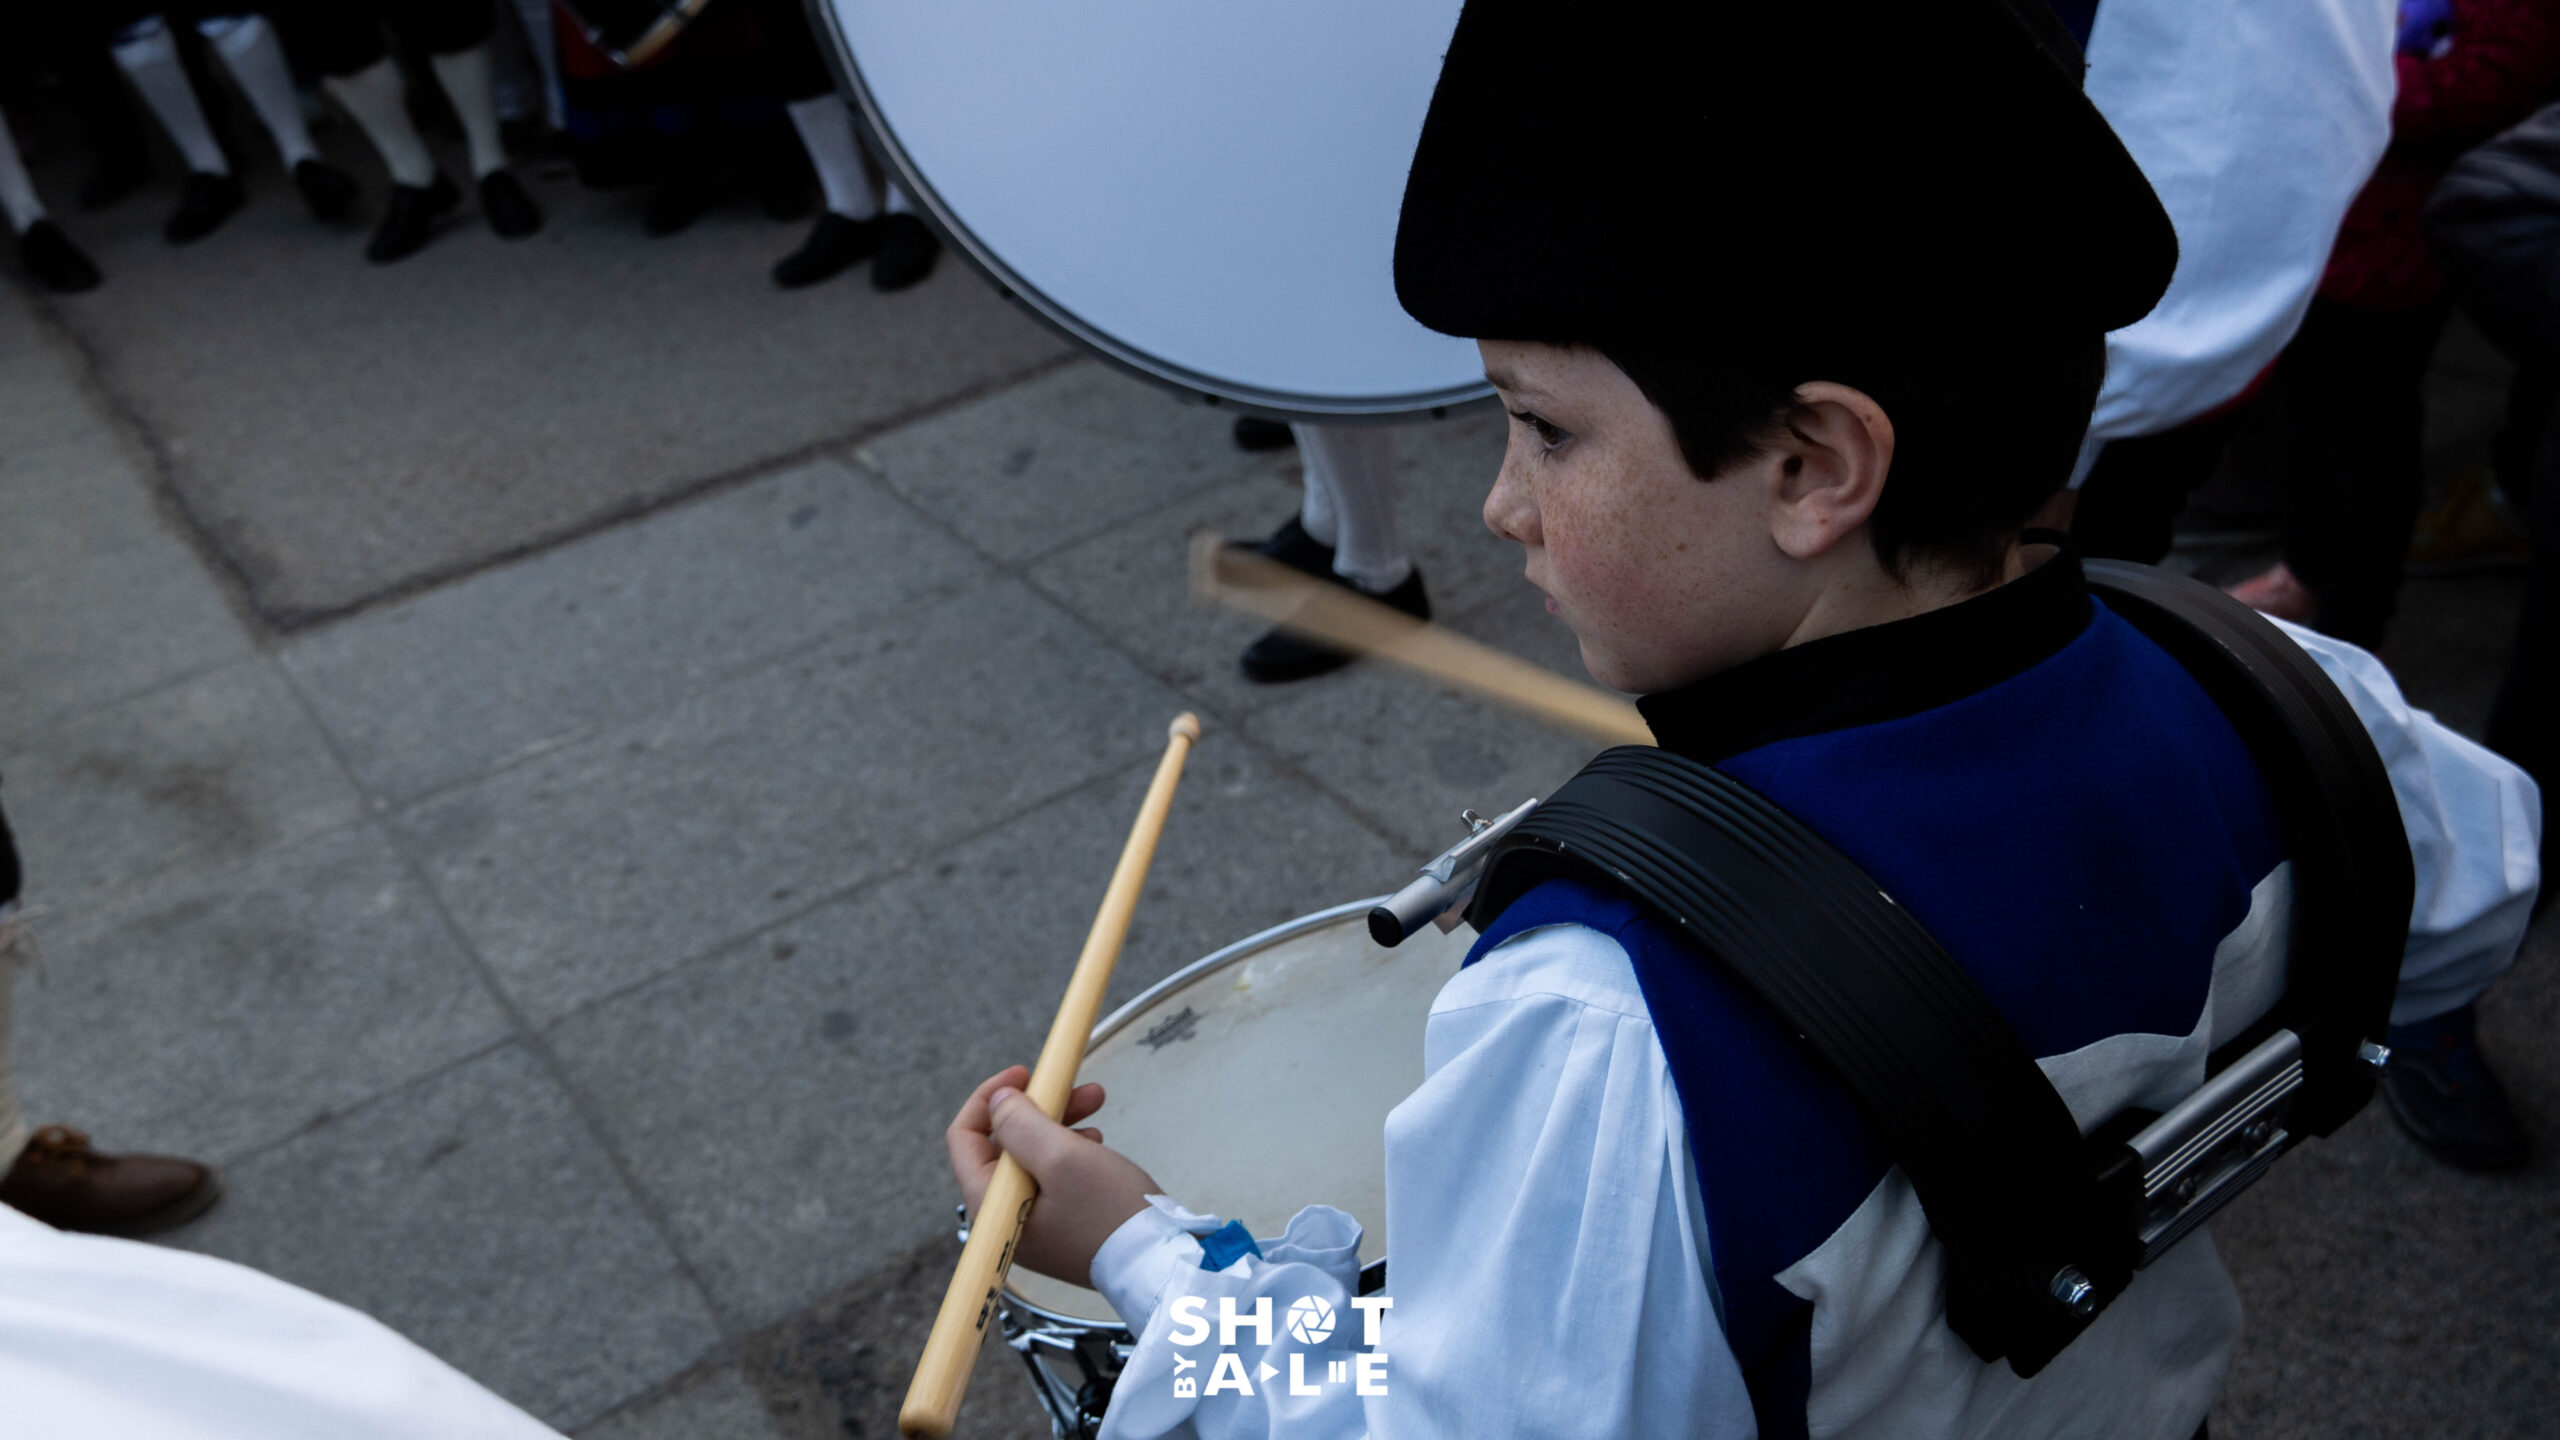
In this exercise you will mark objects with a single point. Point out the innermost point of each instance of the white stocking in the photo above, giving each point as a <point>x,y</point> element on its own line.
<point>18,198</point>
<point>13,1126</point>
<point>380,105</point>
<point>826,132</point>
<point>1351,493</point>
<point>148,55</point>
<point>251,52</point>
<point>465,78</point>
<point>536,17</point>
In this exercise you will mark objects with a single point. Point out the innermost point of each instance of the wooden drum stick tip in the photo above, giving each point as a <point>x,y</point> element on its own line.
<point>1186,725</point>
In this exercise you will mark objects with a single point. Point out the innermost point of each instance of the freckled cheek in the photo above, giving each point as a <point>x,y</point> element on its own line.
<point>1603,570</point>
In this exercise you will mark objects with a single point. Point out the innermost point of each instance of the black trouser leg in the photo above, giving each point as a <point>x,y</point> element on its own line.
<point>2129,505</point>
<point>2524,724</point>
<point>2351,413</point>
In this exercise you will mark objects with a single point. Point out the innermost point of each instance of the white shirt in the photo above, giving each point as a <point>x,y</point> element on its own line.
<point>2256,121</point>
<point>117,1340</point>
<point>1549,1263</point>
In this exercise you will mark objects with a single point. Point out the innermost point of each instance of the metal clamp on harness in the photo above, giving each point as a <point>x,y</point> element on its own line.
<point>2042,1228</point>
<point>1444,884</point>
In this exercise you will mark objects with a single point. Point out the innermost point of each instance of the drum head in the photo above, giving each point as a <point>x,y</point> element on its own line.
<point>1259,1080</point>
<point>1206,193</point>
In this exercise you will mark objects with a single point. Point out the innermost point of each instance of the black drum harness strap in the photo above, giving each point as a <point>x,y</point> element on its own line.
<point>2042,1227</point>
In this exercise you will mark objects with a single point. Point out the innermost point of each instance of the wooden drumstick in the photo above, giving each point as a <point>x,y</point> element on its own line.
<point>951,1351</point>
<point>1263,587</point>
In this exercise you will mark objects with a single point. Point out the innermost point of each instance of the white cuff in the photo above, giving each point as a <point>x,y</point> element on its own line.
<point>1147,1253</point>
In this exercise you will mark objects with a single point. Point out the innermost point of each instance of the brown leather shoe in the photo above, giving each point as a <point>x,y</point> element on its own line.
<point>61,1181</point>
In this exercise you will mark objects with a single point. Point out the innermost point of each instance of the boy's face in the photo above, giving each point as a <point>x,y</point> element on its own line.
<point>1664,577</point>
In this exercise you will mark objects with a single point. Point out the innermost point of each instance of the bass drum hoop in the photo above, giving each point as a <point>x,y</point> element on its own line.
<point>1187,383</point>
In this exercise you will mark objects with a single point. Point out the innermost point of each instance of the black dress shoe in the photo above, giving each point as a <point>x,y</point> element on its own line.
<point>2446,1097</point>
<point>207,202</point>
<point>1281,656</point>
<point>1255,434</point>
<point>409,221</point>
<point>327,191</point>
<point>57,264</point>
<point>907,248</point>
<point>511,213</point>
<point>1292,546</point>
<point>835,244</point>
<point>115,178</point>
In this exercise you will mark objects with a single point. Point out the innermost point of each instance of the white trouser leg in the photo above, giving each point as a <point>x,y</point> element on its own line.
<point>13,1126</point>
<point>251,52</point>
<point>380,105</point>
<point>18,198</point>
<point>826,132</point>
<point>465,78</point>
<point>148,55</point>
<point>1351,482</point>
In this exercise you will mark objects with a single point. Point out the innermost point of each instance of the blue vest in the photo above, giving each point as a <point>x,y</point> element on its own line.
<point>2041,786</point>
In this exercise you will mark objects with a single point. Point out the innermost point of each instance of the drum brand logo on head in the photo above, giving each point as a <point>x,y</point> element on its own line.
<point>1310,1321</point>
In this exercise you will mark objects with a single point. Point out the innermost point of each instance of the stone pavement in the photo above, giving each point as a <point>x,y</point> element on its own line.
<point>567,888</point>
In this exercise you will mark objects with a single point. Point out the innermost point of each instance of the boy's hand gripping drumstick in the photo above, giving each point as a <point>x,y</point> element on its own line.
<point>942,1374</point>
<point>1262,587</point>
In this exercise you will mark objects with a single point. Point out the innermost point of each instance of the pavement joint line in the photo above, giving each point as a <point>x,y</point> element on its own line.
<point>535,1043</point>
<point>158,463</point>
<point>251,1154</point>
<point>294,621</point>
<point>395,805</point>
<point>745,938</point>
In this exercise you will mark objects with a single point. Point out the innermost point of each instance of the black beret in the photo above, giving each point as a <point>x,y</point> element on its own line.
<point>1619,170</point>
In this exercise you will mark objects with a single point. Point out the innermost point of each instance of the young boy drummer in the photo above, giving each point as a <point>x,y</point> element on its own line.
<point>1798,312</point>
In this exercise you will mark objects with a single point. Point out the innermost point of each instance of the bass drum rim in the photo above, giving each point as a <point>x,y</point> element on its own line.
<point>1185,382</point>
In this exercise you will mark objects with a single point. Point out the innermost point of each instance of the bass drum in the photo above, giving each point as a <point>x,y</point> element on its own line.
<point>1248,1083</point>
<point>1204,193</point>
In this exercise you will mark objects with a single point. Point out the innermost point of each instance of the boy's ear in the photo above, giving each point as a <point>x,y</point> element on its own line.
<point>1829,467</point>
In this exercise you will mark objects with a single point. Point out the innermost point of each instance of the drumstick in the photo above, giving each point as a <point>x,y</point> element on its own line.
<point>1263,587</point>
<point>951,1351</point>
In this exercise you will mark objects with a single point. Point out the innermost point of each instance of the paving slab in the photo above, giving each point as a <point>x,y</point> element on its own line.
<point>600,864</point>
<point>441,687</point>
<point>838,1370</point>
<point>474,1214</point>
<point>1132,582</point>
<point>99,600</point>
<point>717,1404</point>
<point>197,775</point>
<point>783,1102</point>
<point>2388,1295</point>
<point>345,431</point>
<point>245,1006</point>
<point>1410,756</point>
<point>1062,457</point>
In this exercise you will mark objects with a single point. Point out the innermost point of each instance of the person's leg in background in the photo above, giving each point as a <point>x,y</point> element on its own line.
<point>43,249</point>
<point>543,39</point>
<point>1345,531</point>
<point>74,42</point>
<point>849,229</point>
<point>255,57</point>
<point>2351,410</point>
<point>2128,507</point>
<point>454,35</point>
<point>52,1174</point>
<point>343,38</point>
<point>147,52</point>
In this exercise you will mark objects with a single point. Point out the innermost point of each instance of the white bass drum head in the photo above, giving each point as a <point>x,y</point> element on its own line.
<point>1205,193</point>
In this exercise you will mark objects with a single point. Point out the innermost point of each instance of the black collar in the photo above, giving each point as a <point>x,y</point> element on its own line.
<point>1882,672</point>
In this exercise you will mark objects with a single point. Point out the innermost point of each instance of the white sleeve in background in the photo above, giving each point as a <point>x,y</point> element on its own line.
<point>1547,1256</point>
<point>117,1340</point>
<point>2257,121</point>
<point>2475,833</point>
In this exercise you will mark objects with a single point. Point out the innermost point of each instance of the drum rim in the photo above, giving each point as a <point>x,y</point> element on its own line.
<point>1181,979</point>
<point>1183,381</point>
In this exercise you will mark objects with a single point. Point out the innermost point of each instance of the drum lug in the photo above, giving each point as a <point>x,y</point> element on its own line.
<point>962,1212</point>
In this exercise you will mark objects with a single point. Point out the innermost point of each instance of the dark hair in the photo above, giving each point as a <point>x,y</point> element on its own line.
<point>1987,423</point>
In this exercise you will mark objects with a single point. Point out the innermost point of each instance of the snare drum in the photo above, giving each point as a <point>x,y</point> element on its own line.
<point>1249,1083</point>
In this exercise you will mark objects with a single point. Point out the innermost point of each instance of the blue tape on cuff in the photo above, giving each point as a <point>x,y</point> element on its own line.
<point>1226,1245</point>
